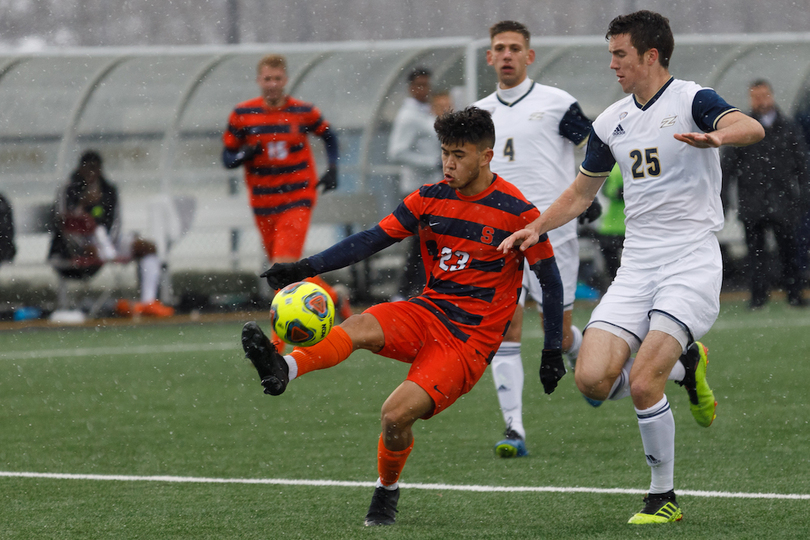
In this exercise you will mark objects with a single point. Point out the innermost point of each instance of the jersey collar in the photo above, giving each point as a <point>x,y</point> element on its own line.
<point>511,96</point>
<point>655,97</point>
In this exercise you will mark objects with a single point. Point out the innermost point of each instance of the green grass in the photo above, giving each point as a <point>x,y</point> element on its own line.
<point>181,401</point>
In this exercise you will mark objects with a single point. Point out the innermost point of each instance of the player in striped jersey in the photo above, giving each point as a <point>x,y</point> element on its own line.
<point>665,138</point>
<point>269,135</point>
<point>537,128</point>
<point>450,332</point>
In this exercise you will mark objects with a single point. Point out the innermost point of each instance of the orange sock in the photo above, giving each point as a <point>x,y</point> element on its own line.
<point>334,349</point>
<point>328,288</point>
<point>390,463</point>
<point>277,342</point>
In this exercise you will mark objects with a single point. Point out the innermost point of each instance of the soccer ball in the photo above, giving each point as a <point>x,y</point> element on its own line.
<point>302,314</point>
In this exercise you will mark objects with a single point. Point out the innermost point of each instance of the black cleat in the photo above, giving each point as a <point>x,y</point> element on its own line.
<point>658,508</point>
<point>272,368</point>
<point>383,509</point>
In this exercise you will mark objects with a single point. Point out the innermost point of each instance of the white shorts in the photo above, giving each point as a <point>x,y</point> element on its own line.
<point>567,257</point>
<point>686,290</point>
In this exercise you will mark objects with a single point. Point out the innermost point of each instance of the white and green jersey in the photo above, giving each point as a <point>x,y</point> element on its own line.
<point>671,189</point>
<point>537,128</point>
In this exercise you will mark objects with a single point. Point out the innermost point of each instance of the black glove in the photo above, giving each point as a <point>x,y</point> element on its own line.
<point>282,274</point>
<point>329,180</point>
<point>592,213</point>
<point>552,369</point>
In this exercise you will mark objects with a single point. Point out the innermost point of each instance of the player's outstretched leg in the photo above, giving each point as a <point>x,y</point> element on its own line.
<point>701,398</point>
<point>658,508</point>
<point>383,508</point>
<point>272,368</point>
<point>512,445</point>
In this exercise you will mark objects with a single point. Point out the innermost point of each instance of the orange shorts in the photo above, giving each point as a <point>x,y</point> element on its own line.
<point>284,234</point>
<point>441,364</point>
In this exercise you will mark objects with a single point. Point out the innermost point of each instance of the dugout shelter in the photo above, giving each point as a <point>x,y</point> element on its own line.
<point>157,116</point>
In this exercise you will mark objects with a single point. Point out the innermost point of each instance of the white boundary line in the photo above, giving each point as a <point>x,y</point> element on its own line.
<point>435,487</point>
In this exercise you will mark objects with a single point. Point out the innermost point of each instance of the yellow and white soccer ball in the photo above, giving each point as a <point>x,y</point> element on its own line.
<point>302,314</point>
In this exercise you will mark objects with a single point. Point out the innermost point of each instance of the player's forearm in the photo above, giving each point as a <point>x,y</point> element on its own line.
<point>738,129</point>
<point>549,276</point>
<point>570,204</point>
<point>351,250</point>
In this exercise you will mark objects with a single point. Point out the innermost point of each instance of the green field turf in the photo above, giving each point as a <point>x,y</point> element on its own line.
<point>181,401</point>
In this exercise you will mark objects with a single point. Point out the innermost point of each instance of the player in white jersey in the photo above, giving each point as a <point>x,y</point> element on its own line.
<point>537,128</point>
<point>666,293</point>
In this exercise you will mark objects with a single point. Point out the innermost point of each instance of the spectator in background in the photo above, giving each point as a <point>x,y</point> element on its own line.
<point>269,136</point>
<point>87,234</point>
<point>803,233</point>
<point>611,231</point>
<point>771,181</point>
<point>413,144</point>
<point>8,250</point>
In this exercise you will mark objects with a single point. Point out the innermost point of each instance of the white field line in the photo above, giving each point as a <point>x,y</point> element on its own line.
<point>114,351</point>
<point>435,487</point>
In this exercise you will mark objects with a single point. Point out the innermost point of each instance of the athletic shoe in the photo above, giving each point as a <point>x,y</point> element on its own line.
<point>123,308</point>
<point>273,369</point>
<point>383,508</point>
<point>512,446</point>
<point>701,398</point>
<point>658,508</point>
<point>155,308</point>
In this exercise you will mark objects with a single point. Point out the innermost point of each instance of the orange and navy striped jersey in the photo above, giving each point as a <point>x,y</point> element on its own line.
<point>471,286</point>
<point>283,176</point>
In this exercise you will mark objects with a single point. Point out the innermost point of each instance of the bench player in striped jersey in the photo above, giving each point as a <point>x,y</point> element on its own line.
<point>450,331</point>
<point>269,135</point>
<point>665,138</point>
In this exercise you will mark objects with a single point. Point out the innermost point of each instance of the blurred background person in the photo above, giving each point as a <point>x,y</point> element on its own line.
<point>771,189</point>
<point>413,144</point>
<point>87,234</point>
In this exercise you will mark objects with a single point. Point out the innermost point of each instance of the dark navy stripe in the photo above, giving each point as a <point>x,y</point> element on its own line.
<point>272,171</point>
<point>268,128</point>
<point>270,210</point>
<point>518,100</point>
<point>296,148</point>
<point>455,330</point>
<point>312,127</point>
<point>466,230</point>
<point>236,131</point>
<point>275,190</point>
<point>456,314</point>
<point>575,126</point>
<point>654,98</point>
<point>406,218</point>
<point>505,203</point>
<point>249,110</point>
<point>299,109</point>
<point>487,266</point>
<point>457,289</point>
<point>659,412</point>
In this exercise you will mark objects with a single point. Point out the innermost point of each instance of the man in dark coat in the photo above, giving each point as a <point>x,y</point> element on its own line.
<point>770,177</point>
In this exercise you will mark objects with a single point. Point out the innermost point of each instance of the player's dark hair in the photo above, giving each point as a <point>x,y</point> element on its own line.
<point>647,30</point>
<point>90,156</point>
<point>761,82</point>
<point>470,125</point>
<point>510,26</point>
<point>419,72</point>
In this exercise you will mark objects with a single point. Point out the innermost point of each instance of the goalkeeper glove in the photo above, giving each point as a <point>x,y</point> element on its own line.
<point>329,180</point>
<point>591,214</point>
<point>282,274</point>
<point>551,369</point>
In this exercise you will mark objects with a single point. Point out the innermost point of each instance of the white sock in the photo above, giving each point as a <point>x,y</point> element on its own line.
<point>392,487</point>
<point>678,372</point>
<point>573,350</point>
<point>292,365</point>
<point>621,386</point>
<point>657,427</point>
<point>150,277</point>
<point>104,244</point>
<point>507,371</point>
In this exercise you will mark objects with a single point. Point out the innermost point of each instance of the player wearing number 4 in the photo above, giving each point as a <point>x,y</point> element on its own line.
<point>269,136</point>
<point>537,128</point>
<point>665,297</point>
<point>450,331</point>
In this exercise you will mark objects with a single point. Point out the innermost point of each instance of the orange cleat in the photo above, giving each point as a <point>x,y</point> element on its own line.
<point>123,308</point>
<point>155,308</point>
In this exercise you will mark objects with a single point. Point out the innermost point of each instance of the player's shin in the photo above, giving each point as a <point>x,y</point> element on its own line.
<point>332,350</point>
<point>390,463</point>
